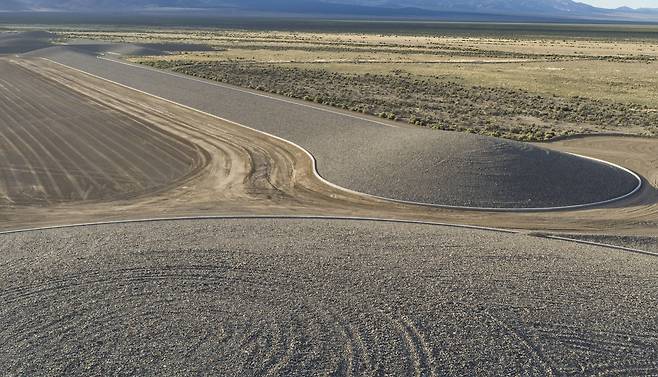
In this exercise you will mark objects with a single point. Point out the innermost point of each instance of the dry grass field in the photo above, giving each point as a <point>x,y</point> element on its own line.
<point>531,88</point>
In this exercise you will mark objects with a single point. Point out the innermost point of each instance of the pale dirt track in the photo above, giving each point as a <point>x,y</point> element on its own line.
<point>251,173</point>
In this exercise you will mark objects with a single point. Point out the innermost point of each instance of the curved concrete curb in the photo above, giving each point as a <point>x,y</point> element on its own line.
<point>495,209</point>
<point>258,217</point>
<point>327,218</point>
<point>322,179</point>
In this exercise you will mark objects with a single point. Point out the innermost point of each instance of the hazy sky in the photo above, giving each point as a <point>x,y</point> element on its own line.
<point>621,3</point>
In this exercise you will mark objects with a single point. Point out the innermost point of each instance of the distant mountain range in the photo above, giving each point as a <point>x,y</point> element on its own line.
<point>567,9</point>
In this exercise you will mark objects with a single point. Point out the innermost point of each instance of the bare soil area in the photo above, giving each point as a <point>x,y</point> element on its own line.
<point>57,145</point>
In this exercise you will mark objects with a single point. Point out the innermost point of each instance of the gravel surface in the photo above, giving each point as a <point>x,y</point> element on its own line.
<point>386,159</point>
<point>307,297</point>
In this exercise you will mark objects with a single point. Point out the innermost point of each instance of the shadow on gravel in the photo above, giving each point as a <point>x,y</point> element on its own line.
<point>19,43</point>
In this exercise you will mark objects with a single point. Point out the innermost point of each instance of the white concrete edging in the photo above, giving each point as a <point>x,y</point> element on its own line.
<point>325,218</point>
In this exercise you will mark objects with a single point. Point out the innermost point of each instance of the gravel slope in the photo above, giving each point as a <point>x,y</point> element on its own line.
<point>644,243</point>
<point>301,297</point>
<point>386,159</point>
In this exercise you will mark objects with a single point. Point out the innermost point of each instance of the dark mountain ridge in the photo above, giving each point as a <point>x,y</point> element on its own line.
<point>540,9</point>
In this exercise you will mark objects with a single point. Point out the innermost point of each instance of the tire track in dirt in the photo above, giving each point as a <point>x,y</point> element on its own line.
<point>247,340</point>
<point>535,353</point>
<point>261,169</point>
<point>63,148</point>
<point>33,121</point>
<point>77,158</point>
<point>18,150</point>
<point>71,150</point>
<point>599,345</point>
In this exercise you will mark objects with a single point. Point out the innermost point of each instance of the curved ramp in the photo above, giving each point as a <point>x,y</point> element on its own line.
<point>453,169</point>
<point>456,169</point>
<point>380,158</point>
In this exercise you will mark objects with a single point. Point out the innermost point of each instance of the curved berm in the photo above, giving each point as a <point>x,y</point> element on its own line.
<point>312,297</point>
<point>448,168</point>
<point>382,158</point>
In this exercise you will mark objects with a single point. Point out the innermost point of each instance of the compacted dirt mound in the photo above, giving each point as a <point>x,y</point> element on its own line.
<point>315,297</point>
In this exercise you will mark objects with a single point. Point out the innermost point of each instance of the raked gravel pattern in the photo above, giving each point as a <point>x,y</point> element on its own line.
<point>308,297</point>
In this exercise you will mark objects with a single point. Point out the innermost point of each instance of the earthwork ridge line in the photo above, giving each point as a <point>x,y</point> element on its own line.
<point>328,218</point>
<point>325,181</point>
